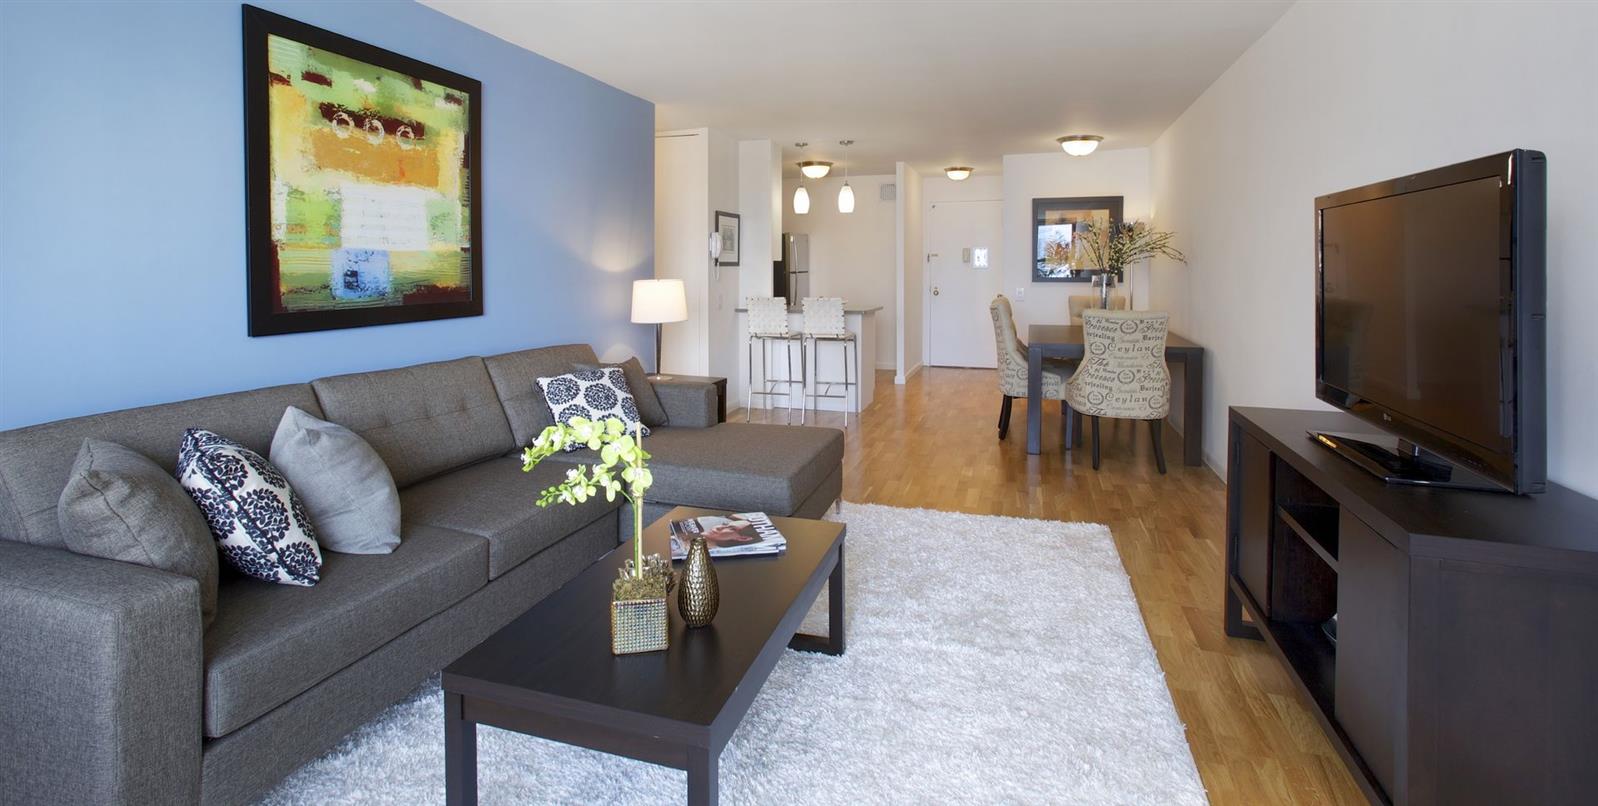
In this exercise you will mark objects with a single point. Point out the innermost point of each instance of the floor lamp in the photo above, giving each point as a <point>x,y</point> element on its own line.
<point>657,302</point>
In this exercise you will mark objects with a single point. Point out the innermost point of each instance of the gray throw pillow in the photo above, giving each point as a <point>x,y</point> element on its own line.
<point>121,506</point>
<point>649,408</point>
<point>348,492</point>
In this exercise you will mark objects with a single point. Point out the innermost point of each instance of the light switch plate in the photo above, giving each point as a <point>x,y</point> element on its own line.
<point>1020,293</point>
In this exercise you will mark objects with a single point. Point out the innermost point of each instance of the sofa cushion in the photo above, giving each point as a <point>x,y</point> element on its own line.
<point>35,461</point>
<point>423,420</point>
<point>271,642</point>
<point>497,501</point>
<point>592,394</point>
<point>346,488</point>
<point>121,506</point>
<point>259,523</point>
<point>649,408</point>
<point>737,466</point>
<point>516,382</point>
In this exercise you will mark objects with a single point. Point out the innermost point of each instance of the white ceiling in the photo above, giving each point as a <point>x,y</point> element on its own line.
<point>930,83</point>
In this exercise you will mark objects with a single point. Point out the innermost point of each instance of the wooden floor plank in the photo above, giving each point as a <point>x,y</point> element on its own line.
<point>933,442</point>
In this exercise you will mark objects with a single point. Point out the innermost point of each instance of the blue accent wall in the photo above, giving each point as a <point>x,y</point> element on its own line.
<point>122,250</point>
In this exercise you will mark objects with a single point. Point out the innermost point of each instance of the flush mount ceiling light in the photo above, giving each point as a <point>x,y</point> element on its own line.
<point>846,195</point>
<point>815,169</point>
<point>1079,145</point>
<point>958,172</point>
<point>801,197</point>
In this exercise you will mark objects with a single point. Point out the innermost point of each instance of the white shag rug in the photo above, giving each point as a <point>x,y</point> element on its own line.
<point>993,660</point>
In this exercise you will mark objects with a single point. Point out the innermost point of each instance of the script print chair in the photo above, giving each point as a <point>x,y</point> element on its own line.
<point>1122,374</point>
<point>1012,365</point>
<point>1082,302</point>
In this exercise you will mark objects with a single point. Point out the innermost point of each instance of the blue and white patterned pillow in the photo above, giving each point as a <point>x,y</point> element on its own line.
<point>593,394</point>
<point>259,524</point>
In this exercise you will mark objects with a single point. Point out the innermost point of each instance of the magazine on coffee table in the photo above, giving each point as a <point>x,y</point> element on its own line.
<point>741,534</point>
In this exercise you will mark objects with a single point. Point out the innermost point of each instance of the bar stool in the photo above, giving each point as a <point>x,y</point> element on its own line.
<point>768,325</point>
<point>824,324</point>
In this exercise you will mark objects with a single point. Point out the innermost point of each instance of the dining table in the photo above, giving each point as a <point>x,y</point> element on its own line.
<point>1065,341</point>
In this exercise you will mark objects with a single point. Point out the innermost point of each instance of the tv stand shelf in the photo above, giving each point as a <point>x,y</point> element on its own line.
<point>1466,622</point>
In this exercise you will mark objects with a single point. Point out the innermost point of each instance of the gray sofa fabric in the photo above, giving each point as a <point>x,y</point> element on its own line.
<point>34,461</point>
<point>516,377</point>
<point>423,420</point>
<point>498,502</point>
<point>246,763</point>
<point>99,680</point>
<point>121,506</point>
<point>748,466</point>
<point>688,404</point>
<point>256,663</point>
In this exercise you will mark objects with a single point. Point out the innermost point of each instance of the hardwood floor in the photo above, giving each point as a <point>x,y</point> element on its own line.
<point>933,443</point>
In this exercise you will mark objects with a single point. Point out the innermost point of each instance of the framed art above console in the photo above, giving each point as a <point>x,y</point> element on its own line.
<point>1055,223</point>
<point>363,182</point>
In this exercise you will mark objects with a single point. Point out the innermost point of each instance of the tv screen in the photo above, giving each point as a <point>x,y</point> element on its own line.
<point>1427,297</point>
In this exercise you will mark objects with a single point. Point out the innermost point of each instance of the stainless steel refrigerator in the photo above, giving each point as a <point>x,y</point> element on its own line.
<point>791,274</point>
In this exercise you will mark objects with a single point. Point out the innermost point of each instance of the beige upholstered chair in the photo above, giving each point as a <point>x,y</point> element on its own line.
<point>1012,364</point>
<point>1123,373</point>
<point>1080,303</point>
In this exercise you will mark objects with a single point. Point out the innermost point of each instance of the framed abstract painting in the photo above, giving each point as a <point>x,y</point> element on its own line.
<point>363,180</point>
<point>1055,224</point>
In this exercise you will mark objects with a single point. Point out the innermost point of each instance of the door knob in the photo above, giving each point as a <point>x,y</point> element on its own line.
<point>934,291</point>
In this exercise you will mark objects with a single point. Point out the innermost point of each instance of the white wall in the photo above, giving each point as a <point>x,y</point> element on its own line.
<point>682,202</point>
<point>1339,95</point>
<point>851,256</point>
<point>1122,172</point>
<point>722,288</point>
<point>940,188</point>
<point>910,270</point>
<point>760,203</point>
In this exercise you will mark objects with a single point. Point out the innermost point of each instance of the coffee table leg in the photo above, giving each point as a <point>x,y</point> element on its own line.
<point>460,754</point>
<point>833,643</point>
<point>704,777</point>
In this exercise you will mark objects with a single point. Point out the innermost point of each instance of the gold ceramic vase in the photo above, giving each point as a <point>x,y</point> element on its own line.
<point>699,595</point>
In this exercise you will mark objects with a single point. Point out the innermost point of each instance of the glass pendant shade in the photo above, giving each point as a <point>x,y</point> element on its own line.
<point>846,199</point>
<point>801,201</point>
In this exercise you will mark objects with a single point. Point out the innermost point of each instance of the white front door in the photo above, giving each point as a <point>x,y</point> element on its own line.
<point>963,264</point>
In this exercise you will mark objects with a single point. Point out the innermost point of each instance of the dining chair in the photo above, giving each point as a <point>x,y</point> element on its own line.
<point>1084,302</point>
<point>1012,365</point>
<point>1122,374</point>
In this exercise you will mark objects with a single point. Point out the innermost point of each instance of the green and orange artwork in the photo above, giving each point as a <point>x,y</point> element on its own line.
<point>370,184</point>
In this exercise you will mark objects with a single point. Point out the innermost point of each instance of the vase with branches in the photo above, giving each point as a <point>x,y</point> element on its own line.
<point>638,595</point>
<point>1113,246</point>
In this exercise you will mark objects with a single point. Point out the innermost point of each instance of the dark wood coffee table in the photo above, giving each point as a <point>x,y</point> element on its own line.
<point>550,672</point>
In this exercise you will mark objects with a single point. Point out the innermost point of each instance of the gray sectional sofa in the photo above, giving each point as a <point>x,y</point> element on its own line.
<point>111,691</point>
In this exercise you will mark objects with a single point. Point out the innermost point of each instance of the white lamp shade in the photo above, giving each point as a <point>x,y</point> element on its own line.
<point>659,301</point>
<point>801,201</point>
<point>846,199</point>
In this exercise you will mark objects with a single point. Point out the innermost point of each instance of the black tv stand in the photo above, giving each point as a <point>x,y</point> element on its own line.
<point>1461,670</point>
<point>1399,461</point>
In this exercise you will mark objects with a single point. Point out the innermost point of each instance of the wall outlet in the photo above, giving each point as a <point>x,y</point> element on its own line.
<point>1020,293</point>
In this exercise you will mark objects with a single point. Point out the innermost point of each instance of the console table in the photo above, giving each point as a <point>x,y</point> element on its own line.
<point>1466,655</point>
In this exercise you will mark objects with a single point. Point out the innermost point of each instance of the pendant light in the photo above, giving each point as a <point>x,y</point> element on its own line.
<point>846,195</point>
<point>801,197</point>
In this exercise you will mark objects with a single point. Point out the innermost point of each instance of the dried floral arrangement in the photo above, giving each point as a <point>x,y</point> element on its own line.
<point>1112,247</point>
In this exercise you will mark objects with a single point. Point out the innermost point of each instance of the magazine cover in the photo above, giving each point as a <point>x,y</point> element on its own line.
<point>736,535</point>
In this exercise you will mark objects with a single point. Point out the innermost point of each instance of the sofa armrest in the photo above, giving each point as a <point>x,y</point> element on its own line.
<point>688,404</point>
<point>100,680</point>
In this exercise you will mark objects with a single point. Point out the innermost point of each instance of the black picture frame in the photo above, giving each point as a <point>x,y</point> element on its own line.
<point>1041,208</point>
<point>265,314</point>
<point>723,222</point>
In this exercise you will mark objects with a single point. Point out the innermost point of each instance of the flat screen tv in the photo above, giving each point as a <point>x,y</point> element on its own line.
<point>1430,323</point>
